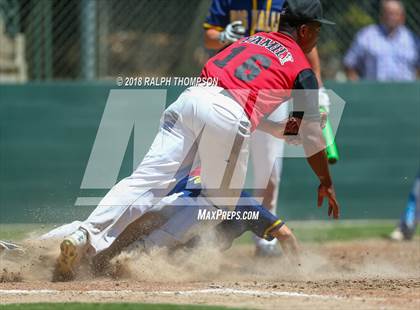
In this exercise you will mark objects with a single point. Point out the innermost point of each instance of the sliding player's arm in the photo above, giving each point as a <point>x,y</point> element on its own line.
<point>288,241</point>
<point>268,226</point>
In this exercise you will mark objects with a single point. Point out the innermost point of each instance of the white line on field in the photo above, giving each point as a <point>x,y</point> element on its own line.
<point>214,291</point>
<point>224,291</point>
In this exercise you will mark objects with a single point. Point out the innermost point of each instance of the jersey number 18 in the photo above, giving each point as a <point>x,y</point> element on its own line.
<point>249,69</point>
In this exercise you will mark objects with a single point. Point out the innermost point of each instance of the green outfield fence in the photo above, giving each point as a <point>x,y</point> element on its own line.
<point>102,39</point>
<point>47,132</point>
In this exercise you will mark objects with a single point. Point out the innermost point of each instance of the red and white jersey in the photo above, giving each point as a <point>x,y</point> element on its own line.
<point>259,71</point>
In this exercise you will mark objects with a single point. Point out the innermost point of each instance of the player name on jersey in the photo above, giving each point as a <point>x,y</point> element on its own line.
<point>261,20</point>
<point>278,49</point>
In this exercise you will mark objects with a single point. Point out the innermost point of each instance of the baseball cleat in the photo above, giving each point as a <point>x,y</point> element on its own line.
<point>71,250</point>
<point>397,235</point>
<point>265,248</point>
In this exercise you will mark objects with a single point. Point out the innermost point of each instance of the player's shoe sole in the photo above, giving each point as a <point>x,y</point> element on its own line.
<point>70,255</point>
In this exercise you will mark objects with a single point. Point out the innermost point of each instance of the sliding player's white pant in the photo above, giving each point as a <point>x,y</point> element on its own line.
<point>267,161</point>
<point>203,127</point>
<point>180,226</point>
<point>62,231</point>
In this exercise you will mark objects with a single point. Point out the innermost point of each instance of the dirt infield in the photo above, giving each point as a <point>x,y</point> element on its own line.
<point>366,274</point>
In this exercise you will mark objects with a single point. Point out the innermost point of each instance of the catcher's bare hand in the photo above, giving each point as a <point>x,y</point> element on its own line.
<point>329,193</point>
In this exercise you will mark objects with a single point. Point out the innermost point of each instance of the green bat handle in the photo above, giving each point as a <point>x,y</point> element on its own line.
<point>331,150</point>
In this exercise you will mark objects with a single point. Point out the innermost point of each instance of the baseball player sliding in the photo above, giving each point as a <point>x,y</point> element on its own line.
<point>210,127</point>
<point>232,20</point>
<point>268,226</point>
<point>164,230</point>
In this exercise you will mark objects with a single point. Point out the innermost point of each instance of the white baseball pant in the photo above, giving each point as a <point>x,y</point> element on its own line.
<point>201,119</point>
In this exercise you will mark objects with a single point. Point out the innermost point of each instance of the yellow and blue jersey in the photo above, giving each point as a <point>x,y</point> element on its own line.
<point>256,15</point>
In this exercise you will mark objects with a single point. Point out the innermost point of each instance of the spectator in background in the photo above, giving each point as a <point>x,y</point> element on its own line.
<point>384,52</point>
<point>406,228</point>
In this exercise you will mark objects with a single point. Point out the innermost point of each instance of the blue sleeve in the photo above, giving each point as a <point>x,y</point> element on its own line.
<point>354,56</point>
<point>190,186</point>
<point>266,220</point>
<point>218,16</point>
<point>418,52</point>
